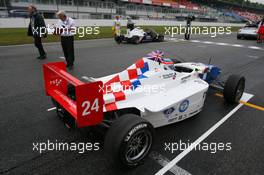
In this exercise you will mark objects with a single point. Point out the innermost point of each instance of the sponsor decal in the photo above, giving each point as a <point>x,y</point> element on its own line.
<point>184,79</point>
<point>56,82</point>
<point>170,75</point>
<point>135,129</point>
<point>157,70</point>
<point>168,112</point>
<point>194,112</point>
<point>184,105</point>
<point>200,82</point>
<point>173,120</point>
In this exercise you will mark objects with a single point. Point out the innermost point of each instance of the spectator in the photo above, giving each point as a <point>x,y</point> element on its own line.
<point>37,29</point>
<point>66,26</point>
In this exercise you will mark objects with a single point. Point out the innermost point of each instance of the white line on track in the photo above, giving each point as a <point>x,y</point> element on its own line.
<point>160,159</point>
<point>246,97</point>
<point>253,56</point>
<point>227,44</point>
<point>51,109</point>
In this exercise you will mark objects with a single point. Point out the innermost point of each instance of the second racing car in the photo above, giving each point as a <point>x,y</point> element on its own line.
<point>138,35</point>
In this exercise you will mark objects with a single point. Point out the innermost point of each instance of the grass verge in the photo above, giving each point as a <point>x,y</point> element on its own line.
<point>14,36</point>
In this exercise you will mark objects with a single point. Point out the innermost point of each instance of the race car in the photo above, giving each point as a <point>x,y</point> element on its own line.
<point>153,92</point>
<point>138,35</point>
<point>250,31</point>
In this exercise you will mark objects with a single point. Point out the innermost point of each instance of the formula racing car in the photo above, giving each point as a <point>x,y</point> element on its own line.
<point>138,35</point>
<point>153,92</point>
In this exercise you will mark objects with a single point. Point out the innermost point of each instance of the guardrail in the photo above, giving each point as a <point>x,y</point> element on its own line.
<point>23,23</point>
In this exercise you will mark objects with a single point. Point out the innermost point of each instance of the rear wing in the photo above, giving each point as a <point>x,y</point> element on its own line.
<point>87,107</point>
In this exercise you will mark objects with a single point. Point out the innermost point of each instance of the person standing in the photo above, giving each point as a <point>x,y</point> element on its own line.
<point>188,27</point>
<point>117,26</point>
<point>130,24</point>
<point>67,25</point>
<point>260,38</point>
<point>37,29</point>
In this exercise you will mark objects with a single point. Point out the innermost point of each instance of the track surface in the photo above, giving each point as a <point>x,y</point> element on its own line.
<point>24,119</point>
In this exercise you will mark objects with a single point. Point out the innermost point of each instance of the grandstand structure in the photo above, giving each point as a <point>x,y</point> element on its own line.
<point>137,9</point>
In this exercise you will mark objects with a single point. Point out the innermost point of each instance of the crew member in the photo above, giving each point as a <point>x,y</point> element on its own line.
<point>66,26</point>
<point>261,31</point>
<point>188,26</point>
<point>37,29</point>
<point>117,26</point>
<point>130,24</point>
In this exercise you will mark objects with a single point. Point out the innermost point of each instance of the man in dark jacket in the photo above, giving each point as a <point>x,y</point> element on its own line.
<point>37,29</point>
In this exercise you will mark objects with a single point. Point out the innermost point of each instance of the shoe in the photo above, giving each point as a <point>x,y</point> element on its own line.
<point>42,57</point>
<point>70,67</point>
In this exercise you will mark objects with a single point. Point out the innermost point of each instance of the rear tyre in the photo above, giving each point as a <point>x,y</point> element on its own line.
<point>238,37</point>
<point>129,140</point>
<point>135,40</point>
<point>234,88</point>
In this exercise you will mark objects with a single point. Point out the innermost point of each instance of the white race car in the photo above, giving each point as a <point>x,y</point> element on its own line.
<point>153,92</point>
<point>250,31</point>
<point>138,35</point>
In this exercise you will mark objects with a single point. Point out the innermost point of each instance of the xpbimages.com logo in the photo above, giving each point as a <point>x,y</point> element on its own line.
<point>197,30</point>
<point>80,32</point>
<point>80,147</point>
<point>212,147</point>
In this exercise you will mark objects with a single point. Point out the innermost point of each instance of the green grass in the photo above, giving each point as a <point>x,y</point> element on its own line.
<point>13,36</point>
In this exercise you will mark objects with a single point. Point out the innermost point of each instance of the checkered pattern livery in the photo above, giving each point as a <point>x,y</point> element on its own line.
<point>125,80</point>
<point>116,88</point>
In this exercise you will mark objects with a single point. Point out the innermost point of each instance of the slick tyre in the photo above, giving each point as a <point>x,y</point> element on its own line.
<point>129,140</point>
<point>160,38</point>
<point>118,39</point>
<point>234,88</point>
<point>135,40</point>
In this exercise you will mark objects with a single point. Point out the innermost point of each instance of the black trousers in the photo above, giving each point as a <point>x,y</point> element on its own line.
<point>39,46</point>
<point>67,43</point>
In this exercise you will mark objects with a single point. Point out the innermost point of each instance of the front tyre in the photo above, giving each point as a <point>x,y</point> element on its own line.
<point>160,38</point>
<point>234,88</point>
<point>135,40</point>
<point>118,39</point>
<point>129,140</point>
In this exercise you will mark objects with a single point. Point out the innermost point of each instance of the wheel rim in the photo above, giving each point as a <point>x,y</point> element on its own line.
<point>137,40</point>
<point>138,146</point>
<point>240,90</point>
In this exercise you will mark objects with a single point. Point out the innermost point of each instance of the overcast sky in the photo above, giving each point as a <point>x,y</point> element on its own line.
<point>260,1</point>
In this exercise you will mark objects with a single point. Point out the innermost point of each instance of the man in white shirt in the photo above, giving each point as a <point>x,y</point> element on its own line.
<point>66,28</point>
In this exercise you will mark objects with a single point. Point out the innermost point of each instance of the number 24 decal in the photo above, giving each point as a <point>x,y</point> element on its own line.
<point>88,108</point>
